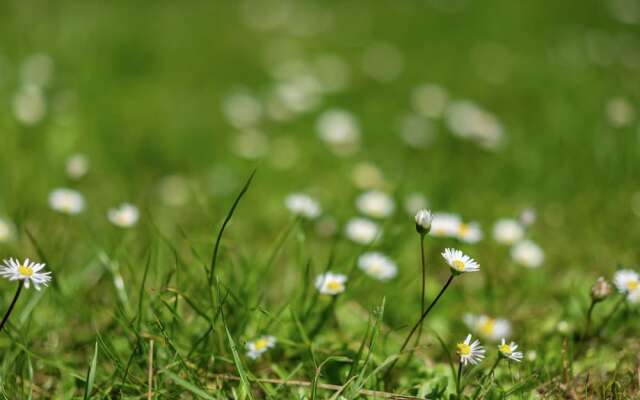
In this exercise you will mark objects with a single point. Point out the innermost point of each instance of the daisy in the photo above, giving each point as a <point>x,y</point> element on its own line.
<point>423,219</point>
<point>330,283</point>
<point>6,230</point>
<point>600,290</point>
<point>28,272</point>
<point>627,281</point>
<point>340,130</point>
<point>445,225</point>
<point>460,262</point>
<point>376,204</point>
<point>507,231</point>
<point>470,352</point>
<point>509,351</point>
<point>66,201</point>
<point>362,230</point>
<point>528,254</point>
<point>124,216</point>
<point>256,348</point>
<point>303,205</point>
<point>488,327</point>
<point>469,233</point>
<point>377,265</point>
<point>77,166</point>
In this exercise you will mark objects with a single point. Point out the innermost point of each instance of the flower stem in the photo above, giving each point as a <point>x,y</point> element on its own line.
<point>459,379</point>
<point>585,335</point>
<point>423,297</point>
<point>489,375</point>
<point>13,303</point>
<point>415,327</point>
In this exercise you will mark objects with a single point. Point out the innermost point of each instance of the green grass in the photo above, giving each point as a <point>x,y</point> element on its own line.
<point>139,88</point>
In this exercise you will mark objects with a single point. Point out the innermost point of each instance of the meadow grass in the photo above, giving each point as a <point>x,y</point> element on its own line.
<point>207,287</point>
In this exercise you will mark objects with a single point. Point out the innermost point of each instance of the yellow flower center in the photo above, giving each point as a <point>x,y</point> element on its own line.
<point>505,349</point>
<point>487,326</point>
<point>463,229</point>
<point>464,349</point>
<point>261,344</point>
<point>25,270</point>
<point>458,264</point>
<point>334,285</point>
<point>632,285</point>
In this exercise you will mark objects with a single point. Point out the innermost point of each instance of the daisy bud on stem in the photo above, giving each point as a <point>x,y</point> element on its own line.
<point>423,220</point>
<point>599,291</point>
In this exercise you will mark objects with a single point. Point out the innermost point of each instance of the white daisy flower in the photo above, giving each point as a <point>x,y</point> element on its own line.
<point>303,205</point>
<point>362,230</point>
<point>28,272</point>
<point>470,233</point>
<point>330,283</point>
<point>124,216</point>
<point>507,231</point>
<point>77,166</point>
<point>377,265</point>
<point>6,230</point>
<point>528,216</point>
<point>66,201</point>
<point>488,327</point>
<point>423,219</point>
<point>509,351</point>
<point>527,253</point>
<point>340,130</point>
<point>256,348</point>
<point>469,352</point>
<point>460,262</point>
<point>445,225</point>
<point>626,281</point>
<point>376,204</point>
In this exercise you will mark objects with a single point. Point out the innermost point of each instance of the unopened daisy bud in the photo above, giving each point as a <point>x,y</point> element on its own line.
<point>600,290</point>
<point>423,221</point>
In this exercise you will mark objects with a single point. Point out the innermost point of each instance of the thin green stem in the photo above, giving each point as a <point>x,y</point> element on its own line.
<point>585,335</point>
<point>423,297</point>
<point>13,303</point>
<point>459,379</point>
<point>489,375</point>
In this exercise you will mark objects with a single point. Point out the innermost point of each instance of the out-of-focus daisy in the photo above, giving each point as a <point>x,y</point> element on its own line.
<point>429,100</point>
<point>470,353</point>
<point>366,175</point>
<point>445,225</point>
<point>77,166</point>
<point>28,272</point>
<point>331,284</point>
<point>470,232</point>
<point>528,254</point>
<point>423,219</point>
<point>415,202</point>
<point>362,230</point>
<point>626,281</point>
<point>66,201</point>
<point>460,262</point>
<point>509,351</point>
<point>6,230</point>
<point>488,327</point>
<point>303,205</point>
<point>29,105</point>
<point>339,129</point>
<point>174,190</point>
<point>256,348</point>
<point>377,265</point>
<point>467,120</point>
<point>416,131</point>
<point>507,231</point>
<point>242,109</point>
<point>528,216</point>
<point>600,290</point>
<point>125,215</point>
<point>620,112</point>
<point>375,203</point>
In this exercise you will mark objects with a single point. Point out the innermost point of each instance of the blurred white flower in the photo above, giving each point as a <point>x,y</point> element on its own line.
<point>627,281</point>
<point>509,351</point>
<point>415,202</point>
<point>6,230</point>
<point>470,353</point>
<point>460,262</point>
<point>366,175</point>
<point>258,347</point>
<point>77,166</point>
<point>532,355</point>
<point>362,230</point>
<point>377,265</point>
<point>303,205</point>
<point>445,225</point>
<point>429,100</point>
<point>376,204</point>
<point>490,328</point>
<point>66,201</point>
<point>383,62</point>
<point>174,190</point>
<point>28,272</point>
<point>465,119</point>
<point>528,216</point>
<point>507,231</point>
<point>330,283</point>
<point>620,112</point>
<point>242,109</point>
<point>527,253</point>
<point>251,144</point>
<point>470,232</point>
<point>29,105</point>
<point>416,131</point>
<point>339,129</point>
<point>124,216</point>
